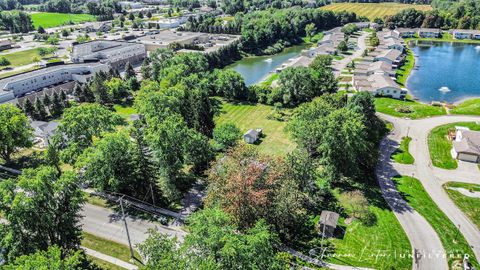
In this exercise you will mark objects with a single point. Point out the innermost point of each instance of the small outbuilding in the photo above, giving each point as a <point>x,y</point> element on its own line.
<point>327,223</point>
<point>252,135</point>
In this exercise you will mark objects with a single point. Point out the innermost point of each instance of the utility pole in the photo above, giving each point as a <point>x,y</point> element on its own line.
<point>132,255</point>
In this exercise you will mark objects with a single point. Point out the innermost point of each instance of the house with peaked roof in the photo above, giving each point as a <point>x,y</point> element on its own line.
<point>43,131</point>
<point>466,145</point>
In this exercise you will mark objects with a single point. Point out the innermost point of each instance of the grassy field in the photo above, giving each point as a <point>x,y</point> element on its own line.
<point>374,10</point>
<point>391,106</point>
<point>401,155</point>
<point>247,116</point>
<point>21,58</point>
<point>361,244</point>
<point>471,107</point>
<point>51,19</point>
<point>439,145</point>
<point>107,247</point>
<point>406,68</point>
<point>452,240</point>
<point>469,205</point>
<point>446,37</point>
<point>270,79</point>
<point>124,111</point>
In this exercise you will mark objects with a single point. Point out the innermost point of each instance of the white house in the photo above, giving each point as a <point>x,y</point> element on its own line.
<point>405,32</point>
<point>466,34</point>
<point>429,32</point>
<point>378,85</point>
<point>391,56</point>
<point>466,145</point>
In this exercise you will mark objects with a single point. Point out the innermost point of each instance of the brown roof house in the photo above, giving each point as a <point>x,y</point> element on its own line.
<point>466,145</point>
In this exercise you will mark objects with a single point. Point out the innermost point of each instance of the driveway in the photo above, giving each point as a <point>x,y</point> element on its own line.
<point>432,178</point>
<point>339,65</point>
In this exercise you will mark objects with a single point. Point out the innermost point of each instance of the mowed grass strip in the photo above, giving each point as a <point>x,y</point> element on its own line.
<point>470,107</point>
<point>104,265</point>
<point>402,155</point>
<point>52,19</point>
<point>108,247</point>
<point>393,107</point>
<point>253,116</point>
<point>440,146</point>
<point>452,240</point>
<point>374,10</point>
<point>469,205</point>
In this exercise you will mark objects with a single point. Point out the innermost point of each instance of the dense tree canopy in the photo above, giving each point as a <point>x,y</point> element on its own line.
<point>42,209</point>
<point>51,259</point>
<point>15,131</point>
<point>213,242</point>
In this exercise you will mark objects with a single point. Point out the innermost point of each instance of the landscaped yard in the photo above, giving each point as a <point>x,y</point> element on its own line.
<point>469,205</point>
<point>373,10</point>
<point>416,109</point>
<point>401,155</point>
<point>362,244</point>
<point>124,111</point>
<point>440,146</point>
<point>471,106</point>
<point>51,19</point>
<point>247,116</point>
<point>452,240</point>
<point>406,68</point>
<point>21,58</point>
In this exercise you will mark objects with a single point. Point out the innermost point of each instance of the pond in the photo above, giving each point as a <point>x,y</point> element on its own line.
<point>256,68</point>
<point>445,72</point>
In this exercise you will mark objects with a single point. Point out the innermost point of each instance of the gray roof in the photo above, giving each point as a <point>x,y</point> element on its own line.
<point>42,129</point>
<point>329,218</point>
<point>470,142</point>
<point>391,54</point>
<point>252,132</point>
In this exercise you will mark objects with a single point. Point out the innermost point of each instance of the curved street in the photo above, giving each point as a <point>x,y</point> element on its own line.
<point>432,179</point>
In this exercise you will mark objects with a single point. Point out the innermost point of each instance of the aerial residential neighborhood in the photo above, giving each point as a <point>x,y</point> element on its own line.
<point>221,134</point>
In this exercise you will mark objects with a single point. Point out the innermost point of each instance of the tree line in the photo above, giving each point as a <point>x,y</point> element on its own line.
<point>464,14</point>
<point>269,31</point>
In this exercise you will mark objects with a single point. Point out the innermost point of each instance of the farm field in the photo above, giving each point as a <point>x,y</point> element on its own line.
<point>51,19</point>
<point>374,10</point>
<point>247,116</point>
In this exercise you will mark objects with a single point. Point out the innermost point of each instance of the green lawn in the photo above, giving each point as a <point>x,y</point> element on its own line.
<point>391,106</point>
<point>124,111</point>
<point>314,39</point>
<point>471,107</point>
<point>469,205</point>
<point>446,37</point>
<point>374,10</point>
<point>401,155</point>
<point>269,80</point>
<point>108,247</point>
<point>453,241</point>
<point>406,68</point>
<point>440,146</point>
<point>361,244</point>
<point>247,116</point>
<point>21,58</point>
<point>51,19</point>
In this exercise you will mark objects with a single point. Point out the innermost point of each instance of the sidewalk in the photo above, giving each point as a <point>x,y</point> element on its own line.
<point>109,259</point>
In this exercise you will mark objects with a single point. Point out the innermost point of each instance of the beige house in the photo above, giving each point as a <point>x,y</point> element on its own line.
<point>466,145</point>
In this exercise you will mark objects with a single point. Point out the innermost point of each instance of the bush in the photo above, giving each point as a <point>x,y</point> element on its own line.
<point>356,205</point>
<point>4,62</point>
<point>226,136</point>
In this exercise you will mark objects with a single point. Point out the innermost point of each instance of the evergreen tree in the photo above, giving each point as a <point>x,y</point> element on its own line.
<point>129,72</point>
<point>28,108</point>
<point>46,101</point>
<point>78,92</point>
<point>63,99</point>
<point>40,113</point>
<point>57,107</point>
<point>41,30</point>
<point>133,84</point>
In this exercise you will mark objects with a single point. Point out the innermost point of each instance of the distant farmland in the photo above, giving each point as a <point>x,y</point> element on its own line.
<point>374,10</point>
<point>49,19</point>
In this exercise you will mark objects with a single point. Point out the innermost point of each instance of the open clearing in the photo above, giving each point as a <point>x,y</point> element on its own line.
<point>373,10</point>
<point>439,145</point>
<point>416,109</point>
<point>51,19</point>
<point>21,58</point>
<point>247,116</point>
<point>470,107</point>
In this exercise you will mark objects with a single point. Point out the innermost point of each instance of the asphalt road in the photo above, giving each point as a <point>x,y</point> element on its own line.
<point>432,178</point>
<point>106,223</point>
